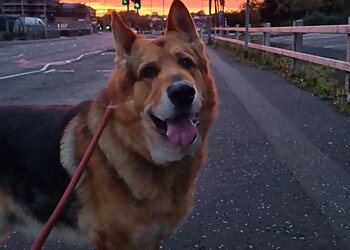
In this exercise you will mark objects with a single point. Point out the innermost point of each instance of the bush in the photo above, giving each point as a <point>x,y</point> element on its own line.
<point>317,79</point>
<point>7,36</point>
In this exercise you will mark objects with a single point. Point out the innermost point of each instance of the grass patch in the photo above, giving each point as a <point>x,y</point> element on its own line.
<point>314,78</point>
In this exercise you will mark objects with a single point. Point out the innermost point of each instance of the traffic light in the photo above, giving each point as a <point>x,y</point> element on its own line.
<point>108,27</point>
<point>125,2</point>
<point>137,4</point>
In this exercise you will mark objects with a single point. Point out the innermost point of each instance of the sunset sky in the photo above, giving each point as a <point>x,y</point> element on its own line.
<point>149,6</point>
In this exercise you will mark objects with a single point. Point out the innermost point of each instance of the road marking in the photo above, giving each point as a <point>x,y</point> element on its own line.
<point>20,55</point>
<point>59,71</point>
<point>50,64</point>
<point>65,70</point>
<point>49,71</point>
<point>20,74</point>
<point>331,46</point>
<point>104,70</point>
<point>107,53</point>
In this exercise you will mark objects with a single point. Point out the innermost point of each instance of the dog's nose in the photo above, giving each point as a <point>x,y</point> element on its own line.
<point>181,94</point>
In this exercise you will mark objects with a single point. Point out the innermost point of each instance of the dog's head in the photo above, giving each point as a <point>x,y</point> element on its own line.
<point>165,95</point>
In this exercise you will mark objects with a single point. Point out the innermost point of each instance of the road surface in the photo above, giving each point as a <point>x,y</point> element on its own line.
<point>18,57</point>
<point>278,170</point>
<point>327,41</point>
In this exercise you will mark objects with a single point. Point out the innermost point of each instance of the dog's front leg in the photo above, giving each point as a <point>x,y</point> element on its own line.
<point>107,246</point>
<point>104,242</point>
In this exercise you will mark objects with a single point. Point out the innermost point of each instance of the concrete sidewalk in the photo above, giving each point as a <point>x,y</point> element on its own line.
<point>309,137</point>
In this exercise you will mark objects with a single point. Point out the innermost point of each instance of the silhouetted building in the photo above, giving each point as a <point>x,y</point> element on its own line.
<point>76,19</point>
<point>33,8</point>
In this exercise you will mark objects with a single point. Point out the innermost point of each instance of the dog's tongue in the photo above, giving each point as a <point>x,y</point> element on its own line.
<point>182,131</point>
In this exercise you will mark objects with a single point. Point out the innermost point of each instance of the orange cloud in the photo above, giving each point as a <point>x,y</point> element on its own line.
<point>149,6</point>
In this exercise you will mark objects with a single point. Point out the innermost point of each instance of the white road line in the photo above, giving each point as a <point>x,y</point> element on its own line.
<point>50,64</point>
<point>49,71</point>
<point>107,53</point>
<point>104,70</point>
<point>331,46</point>
<point>59,71</point>
<point>20,74</point>
<point>65,70</point>
<point>20,55</point>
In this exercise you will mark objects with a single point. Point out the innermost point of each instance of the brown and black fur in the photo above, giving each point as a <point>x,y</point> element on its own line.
<point>128,198</point>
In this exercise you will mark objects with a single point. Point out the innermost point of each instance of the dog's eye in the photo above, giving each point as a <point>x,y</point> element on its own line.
<point>149,72</point>
<point>186,63</point>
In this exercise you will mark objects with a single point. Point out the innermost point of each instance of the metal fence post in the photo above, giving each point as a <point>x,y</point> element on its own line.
<point>347,74</point>
<point>237,32</point>
<point>267,35</point>
<point>249,34</point>
<point>220,31</point>
<point>209,27</point>
<point>297,43</point>
<point>246,33</point>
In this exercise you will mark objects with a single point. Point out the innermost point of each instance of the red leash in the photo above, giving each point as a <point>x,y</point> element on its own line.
<point>50,223</point>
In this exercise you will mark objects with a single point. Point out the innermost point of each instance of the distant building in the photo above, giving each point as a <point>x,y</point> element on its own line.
<point>76,19</point>
<point>33,8</point>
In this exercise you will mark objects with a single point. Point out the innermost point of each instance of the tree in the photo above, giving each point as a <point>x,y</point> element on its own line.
<point>267,12</point>
<point>285,11</point>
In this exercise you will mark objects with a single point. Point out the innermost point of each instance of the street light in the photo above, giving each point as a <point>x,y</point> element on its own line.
<point>137,4</point>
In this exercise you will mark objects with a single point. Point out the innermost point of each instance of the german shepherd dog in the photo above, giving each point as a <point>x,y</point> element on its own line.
<point>140,181</point>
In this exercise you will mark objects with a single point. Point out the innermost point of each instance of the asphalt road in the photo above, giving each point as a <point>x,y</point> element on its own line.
<point>325,45</point>
<point>327,41</point>
<point>17,57</point>
<point>278,171</point>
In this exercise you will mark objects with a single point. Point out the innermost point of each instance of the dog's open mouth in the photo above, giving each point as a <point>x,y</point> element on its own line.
<point>182,130</point>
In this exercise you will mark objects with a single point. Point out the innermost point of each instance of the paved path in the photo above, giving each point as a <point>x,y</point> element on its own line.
<point>278,171</point>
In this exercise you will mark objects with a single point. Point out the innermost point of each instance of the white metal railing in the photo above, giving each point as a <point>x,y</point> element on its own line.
<point>220,34</point>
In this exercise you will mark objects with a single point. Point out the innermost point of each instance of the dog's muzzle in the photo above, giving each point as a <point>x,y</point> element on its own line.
<point>181,125</point>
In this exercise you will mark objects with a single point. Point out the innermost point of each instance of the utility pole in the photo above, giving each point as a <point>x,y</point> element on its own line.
<point>246,36</point>
<point>209,25</point>
<point>46,21</point>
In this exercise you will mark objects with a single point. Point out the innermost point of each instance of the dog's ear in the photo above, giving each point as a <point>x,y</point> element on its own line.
<point>123,36</point>
<point>180,20</point>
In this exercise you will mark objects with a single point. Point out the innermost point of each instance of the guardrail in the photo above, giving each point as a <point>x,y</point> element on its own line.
<point>220,34</point>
